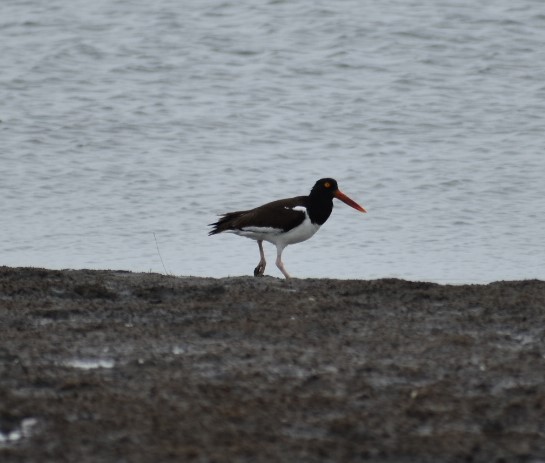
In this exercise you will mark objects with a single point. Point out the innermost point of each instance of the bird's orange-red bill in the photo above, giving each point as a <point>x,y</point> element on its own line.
<point>345,199</point>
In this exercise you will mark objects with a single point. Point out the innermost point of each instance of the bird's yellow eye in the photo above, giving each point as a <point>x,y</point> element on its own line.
<point>327,185</point>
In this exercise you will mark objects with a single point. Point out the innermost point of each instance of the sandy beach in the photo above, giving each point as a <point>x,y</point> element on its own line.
<point>114,366</point>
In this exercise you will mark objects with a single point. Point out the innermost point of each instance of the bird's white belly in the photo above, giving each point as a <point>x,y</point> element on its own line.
<point>277,236</point>
<point>300,233</point>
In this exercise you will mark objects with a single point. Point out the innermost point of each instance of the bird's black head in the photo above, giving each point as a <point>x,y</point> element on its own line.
<point>325,187</point>
<point>320,200</point>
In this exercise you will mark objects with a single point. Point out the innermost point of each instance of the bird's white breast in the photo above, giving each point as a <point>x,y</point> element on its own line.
<point>277,236</point>
<point>302,232</point>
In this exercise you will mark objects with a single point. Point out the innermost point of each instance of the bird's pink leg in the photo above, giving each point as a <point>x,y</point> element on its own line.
<point>279,263</point>
<point>260,269</point>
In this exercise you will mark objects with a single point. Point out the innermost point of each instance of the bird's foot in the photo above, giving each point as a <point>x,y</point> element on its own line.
<point>259,270</point>
<point>281,267</point>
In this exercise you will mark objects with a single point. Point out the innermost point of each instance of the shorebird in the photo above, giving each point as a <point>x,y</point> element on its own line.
<point>284,222</point>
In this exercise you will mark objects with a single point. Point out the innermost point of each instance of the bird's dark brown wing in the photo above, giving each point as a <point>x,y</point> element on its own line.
<point>283,214</point>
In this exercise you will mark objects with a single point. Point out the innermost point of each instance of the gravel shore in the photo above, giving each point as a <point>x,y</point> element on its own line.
<point>115,366</point>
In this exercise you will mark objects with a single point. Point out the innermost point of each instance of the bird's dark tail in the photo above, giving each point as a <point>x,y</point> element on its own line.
<point>226,222</point>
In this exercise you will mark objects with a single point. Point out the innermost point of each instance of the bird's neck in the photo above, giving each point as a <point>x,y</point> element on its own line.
<point>319,208</point>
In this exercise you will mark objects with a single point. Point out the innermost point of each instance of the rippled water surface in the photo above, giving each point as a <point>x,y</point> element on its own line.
<point>124,119</point>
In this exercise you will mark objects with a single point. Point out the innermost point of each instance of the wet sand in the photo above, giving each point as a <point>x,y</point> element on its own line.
<point>114,366</point>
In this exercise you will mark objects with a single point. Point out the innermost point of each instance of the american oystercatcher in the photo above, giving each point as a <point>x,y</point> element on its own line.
<point>286,221</point>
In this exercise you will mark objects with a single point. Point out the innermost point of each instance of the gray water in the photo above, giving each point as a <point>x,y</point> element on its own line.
<point>124,119</point>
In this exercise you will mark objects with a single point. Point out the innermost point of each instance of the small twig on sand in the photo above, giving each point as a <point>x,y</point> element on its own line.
<point>159,252</point>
